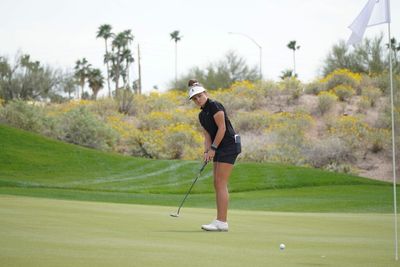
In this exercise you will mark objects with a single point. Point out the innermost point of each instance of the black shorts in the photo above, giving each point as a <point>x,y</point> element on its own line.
<point>225,158</point>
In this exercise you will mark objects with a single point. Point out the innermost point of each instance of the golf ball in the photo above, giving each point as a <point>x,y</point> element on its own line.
<point>282,246</point>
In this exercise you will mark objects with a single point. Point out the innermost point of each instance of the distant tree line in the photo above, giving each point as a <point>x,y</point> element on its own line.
<point>28,79</point>
<point>220,74</point>
<point>370,57</point>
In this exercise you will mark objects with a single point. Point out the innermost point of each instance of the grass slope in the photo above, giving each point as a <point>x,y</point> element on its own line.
<point>45,232</point>
<point>35,166</point>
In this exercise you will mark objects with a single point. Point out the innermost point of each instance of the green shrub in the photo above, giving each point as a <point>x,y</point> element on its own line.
<point>379,139</point>
<point>325,152</point>
<point>79,126</point>
<point>254,121</point>
<point>287,138</point>
<point>314,88</point>
<point>291,86</point>
<point>326,100</point>
<point>364,104</point>
<point>25,116</point>
<point>343,92</point>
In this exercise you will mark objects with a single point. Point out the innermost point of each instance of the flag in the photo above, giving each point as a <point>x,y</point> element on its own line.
<point>375,12</point>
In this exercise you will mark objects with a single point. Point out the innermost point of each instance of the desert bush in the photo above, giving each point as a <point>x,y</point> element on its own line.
<point>351,130</point>
<point>286,120</point>
<point>158,119</point>
<point>271,89</point>
<point>26,116</point>
<point>232,102</point>
<point>328,151</point>
<point>254,147</point>
<point>326,100</point>
<point>124,99</point>
<point>287,137</point>
<point>104,107</point>
<point>371,94</point>
<point>79,126</point>
<point>379,139</point>
<point>364,104</point>
<point>314,88</point>
<point>341,77</point>
<point>343,92</point>
<point>382,82</point>
<point>56,110</point>
<point>344,168</point>
<point>178,141</point>
<point>254,121</point>
<point>292,87</point>
<point>156,101</point>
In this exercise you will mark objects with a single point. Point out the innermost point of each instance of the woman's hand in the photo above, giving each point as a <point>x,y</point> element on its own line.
<point>209,155</point>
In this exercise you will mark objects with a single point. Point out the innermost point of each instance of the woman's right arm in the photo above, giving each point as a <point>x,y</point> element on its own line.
<point>207,144</point>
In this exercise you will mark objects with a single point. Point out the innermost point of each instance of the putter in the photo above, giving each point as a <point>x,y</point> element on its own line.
<point>176,214</point>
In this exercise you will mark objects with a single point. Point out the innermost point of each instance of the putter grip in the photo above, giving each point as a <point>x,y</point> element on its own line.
<point>203,166</point>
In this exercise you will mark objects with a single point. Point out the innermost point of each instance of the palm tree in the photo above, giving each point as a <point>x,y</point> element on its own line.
<point>105,32</point>
<point>175,36</point>
<point>292,45</point>
<point>81,71</point>
<point>119,55</point>
<point>126,56</point>
<point>96,81</point>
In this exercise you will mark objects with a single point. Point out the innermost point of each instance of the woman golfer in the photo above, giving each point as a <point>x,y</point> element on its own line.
<point>221,145</point>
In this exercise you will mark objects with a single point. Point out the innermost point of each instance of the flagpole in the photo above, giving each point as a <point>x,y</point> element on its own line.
<point>393,146</point>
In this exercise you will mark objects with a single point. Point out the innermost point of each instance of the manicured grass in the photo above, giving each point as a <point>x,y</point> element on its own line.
<point>31,165</point>
<point>46,232</point>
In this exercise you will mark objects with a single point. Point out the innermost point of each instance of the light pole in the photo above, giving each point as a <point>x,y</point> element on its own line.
<point>259,47</point>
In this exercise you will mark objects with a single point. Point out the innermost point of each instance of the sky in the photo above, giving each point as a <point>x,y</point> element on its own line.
<point>58,33</point>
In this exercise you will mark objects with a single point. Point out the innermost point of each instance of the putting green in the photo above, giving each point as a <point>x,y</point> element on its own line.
<point>48,232</point>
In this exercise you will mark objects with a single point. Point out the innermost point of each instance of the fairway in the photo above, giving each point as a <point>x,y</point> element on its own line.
<point>48,232</point>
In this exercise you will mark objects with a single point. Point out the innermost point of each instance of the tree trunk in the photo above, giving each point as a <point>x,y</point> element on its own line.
<point>108,72</point>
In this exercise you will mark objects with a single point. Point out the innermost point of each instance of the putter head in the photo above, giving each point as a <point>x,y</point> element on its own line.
<point>176,215</point>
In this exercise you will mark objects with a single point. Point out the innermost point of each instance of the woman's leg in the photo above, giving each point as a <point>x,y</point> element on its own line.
<point>222,171</point>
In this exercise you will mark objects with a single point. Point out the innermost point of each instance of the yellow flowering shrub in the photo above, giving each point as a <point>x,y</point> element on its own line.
<point>56,110</point>
<point>242,95</point>
<point>159,119</point>
<point>350,129</point>
<point>298,121</point>
<point>122,125</point>
<point>177,141</point>
<point>341,77</point>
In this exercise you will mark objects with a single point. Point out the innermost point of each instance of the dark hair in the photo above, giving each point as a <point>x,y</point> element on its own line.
<point>191,82</point>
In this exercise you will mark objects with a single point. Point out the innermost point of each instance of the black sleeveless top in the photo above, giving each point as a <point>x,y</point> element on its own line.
<point>206,118</point>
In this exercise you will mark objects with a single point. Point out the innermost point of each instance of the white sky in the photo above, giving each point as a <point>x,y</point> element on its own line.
<point>60,32</point>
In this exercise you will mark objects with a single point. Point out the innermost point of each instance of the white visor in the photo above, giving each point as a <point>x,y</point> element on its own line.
<point>194,90</point>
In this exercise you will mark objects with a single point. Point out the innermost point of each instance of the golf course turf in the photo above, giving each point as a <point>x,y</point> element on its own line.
<point>64,205</point>
<point>48,232</point>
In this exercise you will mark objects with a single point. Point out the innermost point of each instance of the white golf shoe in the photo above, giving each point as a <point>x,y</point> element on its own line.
<point>216,226</point>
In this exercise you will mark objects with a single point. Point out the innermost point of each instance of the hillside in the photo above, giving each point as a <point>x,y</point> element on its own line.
<point>35,166</point>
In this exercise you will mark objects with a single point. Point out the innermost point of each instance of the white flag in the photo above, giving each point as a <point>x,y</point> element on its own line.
<point>374,12</point>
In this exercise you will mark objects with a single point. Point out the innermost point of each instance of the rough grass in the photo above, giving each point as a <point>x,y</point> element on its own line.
<point>35,166</point>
